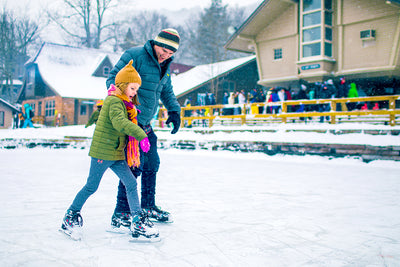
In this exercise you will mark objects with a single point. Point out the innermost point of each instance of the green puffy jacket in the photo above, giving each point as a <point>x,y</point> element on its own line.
<point>353,90</point>
<point>112,128</point>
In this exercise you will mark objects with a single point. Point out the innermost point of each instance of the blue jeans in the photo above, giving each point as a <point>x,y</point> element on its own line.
<point>149,165</point>
<point>97,169</point>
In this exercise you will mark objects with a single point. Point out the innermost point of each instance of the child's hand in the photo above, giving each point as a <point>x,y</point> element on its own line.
<point>145,145</point>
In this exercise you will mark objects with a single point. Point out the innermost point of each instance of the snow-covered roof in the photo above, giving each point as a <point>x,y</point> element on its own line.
<point>203,73</point>
<point>69,70</point>
<point>15,82</point>
<point>8,104</point>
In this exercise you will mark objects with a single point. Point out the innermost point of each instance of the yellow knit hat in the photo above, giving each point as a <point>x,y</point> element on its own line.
<point>128,74</point>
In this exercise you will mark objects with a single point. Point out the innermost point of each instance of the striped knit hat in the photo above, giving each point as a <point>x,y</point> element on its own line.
<point>168,38</point>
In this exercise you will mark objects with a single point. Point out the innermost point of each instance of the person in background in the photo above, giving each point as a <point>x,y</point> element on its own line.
<point>341,93</point>
<point>21,118</point>
<point>326,92</point>
<point>282,97</point>
<point>28,115</point>
<point>116,131</point>
<point>225,98</point>
<point>95,115</point>
<point>188,113</point>
<point>152,61</point>
<point>352,94</point>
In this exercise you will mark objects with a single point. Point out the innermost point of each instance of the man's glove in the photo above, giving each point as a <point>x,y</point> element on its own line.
<point>145,145</point>
<point>174,117</point>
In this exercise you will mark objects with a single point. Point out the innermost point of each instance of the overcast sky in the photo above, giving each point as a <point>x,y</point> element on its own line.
<point>140,4</point>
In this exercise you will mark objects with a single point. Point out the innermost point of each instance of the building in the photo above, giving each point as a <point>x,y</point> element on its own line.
<point>7,114</point>
<point>62,83</point>
<point>216,78</point>
<point>298,41</point>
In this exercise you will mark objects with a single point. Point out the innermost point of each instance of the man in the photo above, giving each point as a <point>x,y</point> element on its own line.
<point>152,61</point>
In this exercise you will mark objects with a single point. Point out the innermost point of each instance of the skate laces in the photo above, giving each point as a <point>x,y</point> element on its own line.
<point>77,219</point>
<point>144,218</point>
<point>74,218</point>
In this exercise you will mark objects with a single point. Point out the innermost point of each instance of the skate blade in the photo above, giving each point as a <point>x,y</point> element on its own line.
<point>154,220</point>
<point>157,221</point>
<point>118,230</point>
<point>76,236</point>
<point>144,239</point>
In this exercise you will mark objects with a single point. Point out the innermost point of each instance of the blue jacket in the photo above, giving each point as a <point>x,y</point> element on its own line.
<point>154,87</point>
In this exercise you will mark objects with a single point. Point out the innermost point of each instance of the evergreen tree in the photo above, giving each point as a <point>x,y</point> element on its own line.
<point>211,32</point>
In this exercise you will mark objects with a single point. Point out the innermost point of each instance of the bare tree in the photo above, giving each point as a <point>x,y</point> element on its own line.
<point>84,20</point>
<point>146,25</point>
<point>16,35</point>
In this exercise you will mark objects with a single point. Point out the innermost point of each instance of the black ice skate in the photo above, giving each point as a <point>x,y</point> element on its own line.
<point>121,222</point>
<point>72,224</point>
<point>143,230</point>
<point>158,215</point>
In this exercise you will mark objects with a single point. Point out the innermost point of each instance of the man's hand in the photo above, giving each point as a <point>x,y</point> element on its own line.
<point>174,117</point>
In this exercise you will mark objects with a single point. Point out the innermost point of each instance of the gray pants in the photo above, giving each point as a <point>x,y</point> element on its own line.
<point>97,169</point>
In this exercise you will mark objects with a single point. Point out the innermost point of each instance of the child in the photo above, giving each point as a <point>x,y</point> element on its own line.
<point>117,120</point>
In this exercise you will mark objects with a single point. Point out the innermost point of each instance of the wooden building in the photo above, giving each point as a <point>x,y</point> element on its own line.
<point>217,78</point>
<point>7,114</point>
<point>314,40</point>
<point>63,83</point>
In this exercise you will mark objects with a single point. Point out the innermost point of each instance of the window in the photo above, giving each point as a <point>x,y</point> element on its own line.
<point>106,71</point>
<point>316,28</point>
<point>50,108</point>
<point>312,50</point>
<point>31,76</point>
<point>40,108</point>
<point>33,106</point>
<point>228,86</point>
<point>83,110</point>
<point>309,5</point>
<point>1,118</point>
<point>278,53</point>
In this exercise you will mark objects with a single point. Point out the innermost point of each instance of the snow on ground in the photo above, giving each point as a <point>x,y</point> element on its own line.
<point>300,133</point>
<point>230,209</point>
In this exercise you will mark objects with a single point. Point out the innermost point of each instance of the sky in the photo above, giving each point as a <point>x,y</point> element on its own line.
<point>158,5</point>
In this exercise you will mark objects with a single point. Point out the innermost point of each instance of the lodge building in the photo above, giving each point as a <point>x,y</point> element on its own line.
<point>308,41</point>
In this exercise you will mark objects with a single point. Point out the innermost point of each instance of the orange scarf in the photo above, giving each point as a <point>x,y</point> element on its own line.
<point>132,148</point>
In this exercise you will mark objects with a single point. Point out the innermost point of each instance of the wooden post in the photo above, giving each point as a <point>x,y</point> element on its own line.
<point>333,108</point>
<point>284,110</point>
<point>210,120</point>
<point>392,116</point>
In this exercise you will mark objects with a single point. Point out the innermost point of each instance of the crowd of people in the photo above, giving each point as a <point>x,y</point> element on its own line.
<point>307,91</point>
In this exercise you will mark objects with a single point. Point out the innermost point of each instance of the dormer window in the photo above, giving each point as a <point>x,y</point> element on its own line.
<point>106,71</point>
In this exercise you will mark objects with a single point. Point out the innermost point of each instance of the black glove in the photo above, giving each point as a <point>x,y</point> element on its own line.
<point>174,117</point>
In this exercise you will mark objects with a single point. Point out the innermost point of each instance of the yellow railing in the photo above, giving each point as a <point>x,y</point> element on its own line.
<point>248,112</point>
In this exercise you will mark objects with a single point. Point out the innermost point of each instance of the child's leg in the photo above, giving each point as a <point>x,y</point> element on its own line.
<point>97,169</point>
<point>121,169</point>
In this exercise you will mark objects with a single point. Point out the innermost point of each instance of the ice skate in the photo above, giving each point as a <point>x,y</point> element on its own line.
<point>143,230</point>
<point>72,225</point>
<point>156,214</point>
<point>120,222</point>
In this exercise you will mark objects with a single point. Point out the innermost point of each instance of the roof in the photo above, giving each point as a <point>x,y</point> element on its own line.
<point>8,104</point>
<point>204,73</point>
<point>69,70</point>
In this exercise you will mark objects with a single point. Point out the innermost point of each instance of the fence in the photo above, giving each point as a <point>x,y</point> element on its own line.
<point>375,109</point>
